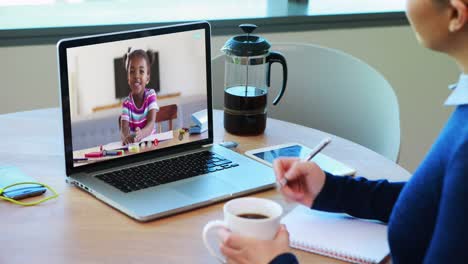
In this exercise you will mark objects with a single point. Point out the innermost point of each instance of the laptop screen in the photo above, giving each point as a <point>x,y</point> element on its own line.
<point>137,95</point>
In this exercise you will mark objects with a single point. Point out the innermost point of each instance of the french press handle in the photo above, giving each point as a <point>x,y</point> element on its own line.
<point>272,58</point>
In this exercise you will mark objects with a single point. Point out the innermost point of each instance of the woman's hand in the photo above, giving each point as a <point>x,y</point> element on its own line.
<point>305,180</point>
<point>243,250</point>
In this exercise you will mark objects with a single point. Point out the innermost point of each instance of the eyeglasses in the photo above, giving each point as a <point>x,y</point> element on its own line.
<point>27,185</point>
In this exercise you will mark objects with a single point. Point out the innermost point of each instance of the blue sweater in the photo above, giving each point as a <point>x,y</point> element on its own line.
<point>427,216</point>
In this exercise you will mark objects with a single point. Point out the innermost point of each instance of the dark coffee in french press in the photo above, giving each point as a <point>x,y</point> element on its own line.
<point>245,110</point>
<point>247,79</point>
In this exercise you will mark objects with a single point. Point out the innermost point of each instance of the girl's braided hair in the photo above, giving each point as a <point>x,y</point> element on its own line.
<point>147,55</point>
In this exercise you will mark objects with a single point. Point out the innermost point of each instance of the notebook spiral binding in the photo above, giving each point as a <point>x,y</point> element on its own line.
<point>346,256</point>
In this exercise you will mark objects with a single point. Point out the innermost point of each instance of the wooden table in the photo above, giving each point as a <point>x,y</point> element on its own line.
<point>77,228</point>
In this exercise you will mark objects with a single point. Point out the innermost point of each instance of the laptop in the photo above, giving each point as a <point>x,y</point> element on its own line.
<point>112,86</point>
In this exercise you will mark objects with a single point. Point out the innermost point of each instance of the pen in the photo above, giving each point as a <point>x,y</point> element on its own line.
<point>283,182</point>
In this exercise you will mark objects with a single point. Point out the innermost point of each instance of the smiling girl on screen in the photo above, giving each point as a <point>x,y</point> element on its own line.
<point>139,108</point>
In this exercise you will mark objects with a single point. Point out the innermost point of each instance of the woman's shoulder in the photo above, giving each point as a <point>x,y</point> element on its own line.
<point>461,148</point>
<point>455,132</point>
<point>461,128</point>
<point>458,162</point>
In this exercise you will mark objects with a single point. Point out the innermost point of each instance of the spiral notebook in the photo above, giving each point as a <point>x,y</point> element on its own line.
<point>337,235</point>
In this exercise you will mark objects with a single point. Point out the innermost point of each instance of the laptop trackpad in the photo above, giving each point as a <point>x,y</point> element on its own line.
<point>205,187</point>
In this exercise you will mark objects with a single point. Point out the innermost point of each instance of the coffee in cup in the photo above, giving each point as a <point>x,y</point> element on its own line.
<point>252,216</point>
<point>248,216</point>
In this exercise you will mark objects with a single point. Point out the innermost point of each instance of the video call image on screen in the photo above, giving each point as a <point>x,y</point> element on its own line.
<point>137,95</point>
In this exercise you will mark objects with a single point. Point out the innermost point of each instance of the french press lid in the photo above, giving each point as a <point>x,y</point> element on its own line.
<point>246,45</point>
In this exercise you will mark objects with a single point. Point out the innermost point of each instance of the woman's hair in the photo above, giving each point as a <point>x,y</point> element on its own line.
<point>139,53</point>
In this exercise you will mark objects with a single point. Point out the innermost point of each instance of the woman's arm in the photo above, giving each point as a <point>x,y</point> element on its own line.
<point>311,186</point>
<point>285,258</point>
<point>358,197</point>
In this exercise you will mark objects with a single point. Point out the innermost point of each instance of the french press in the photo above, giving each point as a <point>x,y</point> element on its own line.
<point>247,81</point>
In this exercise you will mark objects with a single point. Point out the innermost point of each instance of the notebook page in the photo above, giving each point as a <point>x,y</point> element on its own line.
<point>337,233</point>
<point>160,136</point>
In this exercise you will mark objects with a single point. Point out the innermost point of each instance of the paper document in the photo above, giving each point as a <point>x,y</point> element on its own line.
<point>159,136</point>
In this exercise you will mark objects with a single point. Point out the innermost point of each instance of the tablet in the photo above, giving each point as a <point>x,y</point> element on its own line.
<point>268,154</point>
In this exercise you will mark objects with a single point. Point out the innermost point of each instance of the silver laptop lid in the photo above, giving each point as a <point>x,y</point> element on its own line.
<point>135,95</point>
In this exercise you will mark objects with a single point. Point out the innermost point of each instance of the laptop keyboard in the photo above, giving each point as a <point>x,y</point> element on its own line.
<point>160,172</point>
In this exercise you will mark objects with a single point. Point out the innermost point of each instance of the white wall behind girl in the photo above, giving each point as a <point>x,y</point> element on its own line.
<point>91,68</point>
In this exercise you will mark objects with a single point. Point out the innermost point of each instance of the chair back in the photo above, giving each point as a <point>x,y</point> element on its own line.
<point>166,113</point>
<point>331,91</point>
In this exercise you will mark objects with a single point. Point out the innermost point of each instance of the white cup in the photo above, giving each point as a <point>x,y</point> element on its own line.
<point>265,228</point>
